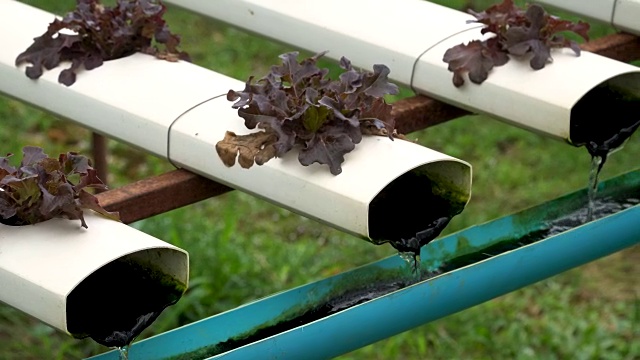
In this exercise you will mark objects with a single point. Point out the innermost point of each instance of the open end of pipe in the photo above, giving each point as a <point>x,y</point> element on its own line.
<point>413,209</point>
<point>119,300</point>
<point>605,117</point>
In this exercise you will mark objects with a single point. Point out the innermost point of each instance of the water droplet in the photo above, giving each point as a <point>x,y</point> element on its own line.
<point>596,165</point>
<point>413,260</point>
<point>124,352</point>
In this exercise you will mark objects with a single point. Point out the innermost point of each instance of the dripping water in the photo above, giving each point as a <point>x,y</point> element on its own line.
<point>620,98</point>
<point>410,220</point>
<point>413,260</point>
<point>124,352</point>
<point>599,151</point>
<point>596,166</point>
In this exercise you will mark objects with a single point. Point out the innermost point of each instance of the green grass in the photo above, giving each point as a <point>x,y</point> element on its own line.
<point>243,248</point>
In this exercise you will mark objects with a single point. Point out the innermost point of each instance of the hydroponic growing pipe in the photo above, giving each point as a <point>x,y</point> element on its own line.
<point>621,14</point>
<point>478,264</point>
<point>44,267</point>
<point>411,37</point>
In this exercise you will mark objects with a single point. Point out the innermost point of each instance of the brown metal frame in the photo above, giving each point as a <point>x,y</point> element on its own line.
<point>178,188</point>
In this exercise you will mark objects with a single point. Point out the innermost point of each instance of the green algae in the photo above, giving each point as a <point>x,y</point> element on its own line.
<point>117,302</point>
<point>412,210</point>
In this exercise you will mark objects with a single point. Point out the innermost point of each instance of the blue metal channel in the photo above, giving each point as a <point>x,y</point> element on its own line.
<point>420,303</point>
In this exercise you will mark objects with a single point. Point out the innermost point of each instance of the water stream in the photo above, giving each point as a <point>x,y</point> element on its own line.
<point>124,352</point>
<point>592,190</point>
<point>413,261</point>
<point>619,99</point>
<point>408,221</point>
<point>600,150</point>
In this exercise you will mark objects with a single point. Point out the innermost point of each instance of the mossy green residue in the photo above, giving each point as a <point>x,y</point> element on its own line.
<point>463,245</point>
<point>495,249</point>
<point>352,289</point>
<point>445,188</point>
<point>345,295</point>
<point>118,301</point>
<point>620,95</point>
<point>413,210</point>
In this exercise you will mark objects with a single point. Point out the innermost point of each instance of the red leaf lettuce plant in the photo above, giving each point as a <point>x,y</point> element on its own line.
<point>517,32</point>
<point>100,33</point>
<point>296,104</point>
<point>42,188</point>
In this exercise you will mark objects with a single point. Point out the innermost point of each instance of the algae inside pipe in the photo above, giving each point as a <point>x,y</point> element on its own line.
<point>126,298</point>
<point>439,203</point>
<point>607,115</point>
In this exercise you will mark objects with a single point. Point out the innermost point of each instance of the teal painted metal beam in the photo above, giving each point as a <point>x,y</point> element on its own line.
<point>419,303</point>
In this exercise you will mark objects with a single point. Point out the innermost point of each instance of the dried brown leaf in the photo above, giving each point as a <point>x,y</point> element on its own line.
<point>257,147</point>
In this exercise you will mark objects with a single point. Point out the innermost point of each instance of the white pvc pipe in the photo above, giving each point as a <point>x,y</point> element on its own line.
<point>411,37</point>
<point>624,15</point>
<point>342,201</point>
<point>153,104</point>
<point>42,264</point>
<point>541,101</point>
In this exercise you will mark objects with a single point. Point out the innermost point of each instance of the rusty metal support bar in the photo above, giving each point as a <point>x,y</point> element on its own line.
<point>159,194</point>
<point>172,190</point>
<point>99,152</point>
<point>420,112</point>
<point>621,46</point>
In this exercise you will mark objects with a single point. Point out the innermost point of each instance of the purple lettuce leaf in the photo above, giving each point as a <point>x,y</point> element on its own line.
<point>297,105</point>
<point>516,32</point>
<point>476,58</point>
<point>499,17</point>
<point>42,188</point>
<point>329,145</point>
<point>101,33</point>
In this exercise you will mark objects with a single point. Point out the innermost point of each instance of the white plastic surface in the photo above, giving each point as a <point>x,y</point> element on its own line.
<point>385,31</point>
<point>627,16</point>
<point>622,14</point>
<point>601,10</point>
<point>540,101</point>
<point>41,264</point>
